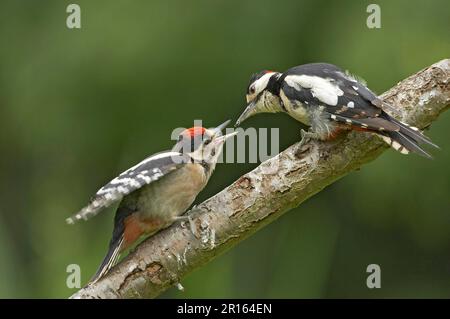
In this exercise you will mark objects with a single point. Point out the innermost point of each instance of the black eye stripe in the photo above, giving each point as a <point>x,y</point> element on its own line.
<point>259,95</point>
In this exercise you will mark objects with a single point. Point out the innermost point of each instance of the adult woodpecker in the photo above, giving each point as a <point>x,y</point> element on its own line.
<point>329,100</point>
<point>156,192</point>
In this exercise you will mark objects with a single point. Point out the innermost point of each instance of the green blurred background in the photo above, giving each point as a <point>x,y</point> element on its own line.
<point>79,106</point>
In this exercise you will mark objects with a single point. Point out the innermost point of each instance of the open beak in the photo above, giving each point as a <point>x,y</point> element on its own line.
<point>218,130</point>
<point>227,136</point>
<point>250,110</point>
<point>222,138</point>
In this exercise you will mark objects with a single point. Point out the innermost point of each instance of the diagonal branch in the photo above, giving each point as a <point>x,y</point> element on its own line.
<point>264,194</point>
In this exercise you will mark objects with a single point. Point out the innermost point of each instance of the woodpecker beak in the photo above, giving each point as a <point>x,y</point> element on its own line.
<point>218,129</point>
<point>222,139</point>
<point>249,111</point>
<point>219,138</point>
<point>227,136</point>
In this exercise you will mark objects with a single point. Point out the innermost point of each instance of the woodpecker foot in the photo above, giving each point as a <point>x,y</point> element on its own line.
<point>187,218</point>
<point>302,145</point>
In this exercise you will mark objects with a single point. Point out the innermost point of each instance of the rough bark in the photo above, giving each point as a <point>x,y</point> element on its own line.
<point>264,194</point>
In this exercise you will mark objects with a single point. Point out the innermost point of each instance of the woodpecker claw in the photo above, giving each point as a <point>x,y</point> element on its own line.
<point>192,226</point>
<point>306,136</point>
<point>301,146</point>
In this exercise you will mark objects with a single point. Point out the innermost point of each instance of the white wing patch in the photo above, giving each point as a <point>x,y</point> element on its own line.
<point>323,89</point>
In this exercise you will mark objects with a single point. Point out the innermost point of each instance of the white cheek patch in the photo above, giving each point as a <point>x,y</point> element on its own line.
<point>262,82</point>
<point>323,89</point>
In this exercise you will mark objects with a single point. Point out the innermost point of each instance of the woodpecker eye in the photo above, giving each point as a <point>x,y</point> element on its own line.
<point>207,141</point>
<point>252,89</point>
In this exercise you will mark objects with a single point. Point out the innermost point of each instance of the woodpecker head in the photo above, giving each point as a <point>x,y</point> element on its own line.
<point>262,95</point>
<point>203,145</point>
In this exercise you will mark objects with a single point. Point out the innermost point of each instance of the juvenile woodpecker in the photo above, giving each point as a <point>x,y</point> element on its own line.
<point>156,192</point>
<point>329,100</point>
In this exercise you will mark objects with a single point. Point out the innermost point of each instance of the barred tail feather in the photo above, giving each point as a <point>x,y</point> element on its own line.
<point>405,138</point>
<point>413,133</point>
<point>110,259</point>
<point>403,143</point>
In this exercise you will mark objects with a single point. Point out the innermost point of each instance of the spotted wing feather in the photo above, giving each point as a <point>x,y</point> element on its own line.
<point>148,171</point>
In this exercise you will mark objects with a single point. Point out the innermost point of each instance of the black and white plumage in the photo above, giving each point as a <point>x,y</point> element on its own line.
<point>329,100</point>
<point>156,192</point>
<point>149,170</point>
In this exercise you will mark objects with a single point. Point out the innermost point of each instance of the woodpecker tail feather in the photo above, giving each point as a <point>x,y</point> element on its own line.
<point>115,247</point>
<point>403,144</point>
<point>413,132</point>
<point>407,139</point>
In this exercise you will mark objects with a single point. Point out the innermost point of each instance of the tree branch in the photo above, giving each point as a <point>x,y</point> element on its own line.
<point>264,194</point>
